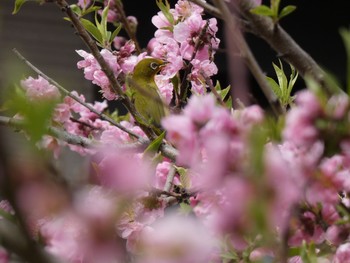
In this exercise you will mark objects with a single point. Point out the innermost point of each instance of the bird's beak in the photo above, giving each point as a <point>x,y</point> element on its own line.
<point>164,64</point>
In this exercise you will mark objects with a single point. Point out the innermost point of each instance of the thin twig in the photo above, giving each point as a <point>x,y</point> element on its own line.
<point>197,45</point>
<point>170,179</point>
<point>60,134</point>
<point>212,88</point>
<point>77,99</point>
<point>167,150</point>
<point>72,138</point>
<point>115,85</point>
<point>284,45</point>
<point>212,10</point>
<point>15,241</point>
<point>237,38</point>
<point>124,20</point>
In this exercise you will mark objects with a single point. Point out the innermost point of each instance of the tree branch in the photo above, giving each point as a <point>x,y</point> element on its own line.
<point>284,45</point>
<point>15,241</point>
<point>278,39</point>
<point>170,179</point>
<point>84,35</point>
<point>237,38</point>
<point>77,99</point>
<point>124,20</point>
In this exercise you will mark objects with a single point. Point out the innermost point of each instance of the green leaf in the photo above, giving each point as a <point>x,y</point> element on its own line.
<point>18,5</point>
<point>184,177</point>
<point>76,9</point>
<point>293,78</point>
<point>165,8</point>
<point>287,10</point>
<point>281,77</point>
<point>36,114</point>
<point>275,87</point>
<point>90,10</point>
<point>153,147</point>
<point>116,32</point>
<point>185,209</point>
<point>92,29</point>
<point>262,10</point>
<point>218,86</point>
<point>275,6</point>
<point>7,215</point>
<point>229,103</point>
<point>345,34</point>
<point>223,93</point>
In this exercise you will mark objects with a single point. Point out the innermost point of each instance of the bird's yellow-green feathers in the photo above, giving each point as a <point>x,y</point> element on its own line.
<point>145,93</point>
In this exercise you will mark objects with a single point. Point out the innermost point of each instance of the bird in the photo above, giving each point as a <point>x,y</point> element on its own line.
<point>144,90</point>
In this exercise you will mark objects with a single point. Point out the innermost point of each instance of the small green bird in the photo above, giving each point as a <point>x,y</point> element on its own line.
<point>144,90</point>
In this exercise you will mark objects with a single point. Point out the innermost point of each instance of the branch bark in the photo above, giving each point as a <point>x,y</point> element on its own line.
<point>84,35</point>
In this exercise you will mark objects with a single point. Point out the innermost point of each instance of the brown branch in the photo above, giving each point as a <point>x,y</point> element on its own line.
<point>238,38</point>
<point>124,20</point>
<point>115,85</point>
<point>278,39</point>
<point>169,179</point>
<point>212,88</point>
<point>15,241</point>
<point>284,45</point>
<point>77,99</point>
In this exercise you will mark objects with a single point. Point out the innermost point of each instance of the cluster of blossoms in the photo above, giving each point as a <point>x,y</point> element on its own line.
<point>185,39</point>
<point>298,184</point>
<point>246,191</point>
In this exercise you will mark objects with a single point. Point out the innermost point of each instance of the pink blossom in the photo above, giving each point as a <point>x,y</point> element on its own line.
<point>338,106</point>
<point>176,239</point>
<point>39,89</point>
<point>166,88</point>
<point>125,173</point>
<point>185,9</point>
<point>93,71</point>
<point>6,207</point>
<point>84,3</point>
<point>97,206</point>
<point>259,254</point>
<point>4,255</point>
<point>51,143</point>
<point>284,184</point>
<point>342,254</point>
<point>210,173</point>
<point>162,171</point>
<point>200,109</point>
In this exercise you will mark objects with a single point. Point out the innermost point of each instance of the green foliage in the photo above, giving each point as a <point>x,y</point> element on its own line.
<point>7,215</point>
<point>283,88</point>
<point>184,177</point>
<point>308,253</point>
<point>36,114</point>
<point>153,147</point>
<point>99,30</point>
<point>273,10</point>
<point>165,8</point>
<point>223,93</point>
<point>345,34</point>
<point>18,5</point>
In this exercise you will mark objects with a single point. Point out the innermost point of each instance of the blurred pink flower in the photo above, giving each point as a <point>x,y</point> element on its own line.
<point>123,172</point>
<point>176,239</point>
<point>342,254</point>
<point>84,3</point>
<point>39,89</point>
<point>4,255</point>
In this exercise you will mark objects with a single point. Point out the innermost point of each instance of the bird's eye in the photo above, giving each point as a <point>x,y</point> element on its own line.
<point>154,65</point>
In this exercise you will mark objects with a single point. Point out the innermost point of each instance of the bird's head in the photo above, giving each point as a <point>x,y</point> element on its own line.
<point>148,67</point>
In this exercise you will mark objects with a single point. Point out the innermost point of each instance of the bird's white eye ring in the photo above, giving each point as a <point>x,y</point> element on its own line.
<point>154,65</point>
